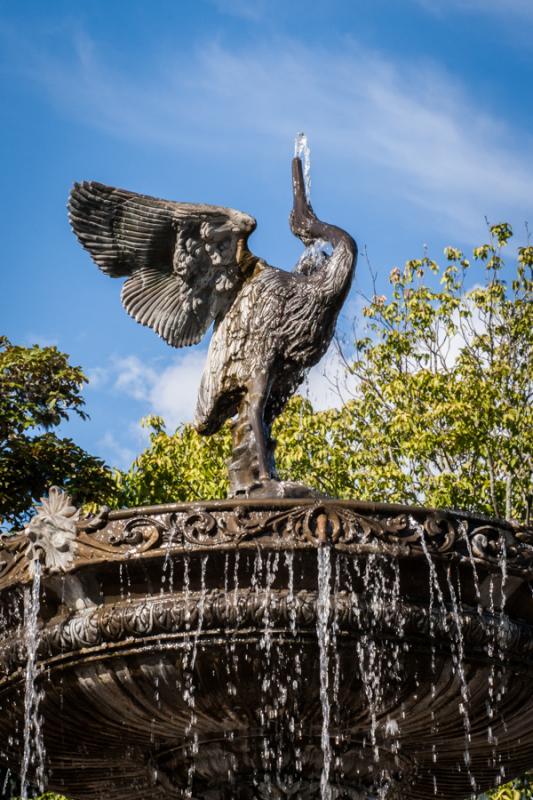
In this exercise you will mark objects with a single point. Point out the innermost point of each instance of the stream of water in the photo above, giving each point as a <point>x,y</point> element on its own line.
<point>324,635</point>
<point>33,752</point>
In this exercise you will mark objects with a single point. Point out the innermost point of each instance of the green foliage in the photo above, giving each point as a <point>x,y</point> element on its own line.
<point>445,381</point>
<point>178,468</point>
<point>38,390</point>
<point>440,414</point>
<point>519,789</point>
<point>47,796</point>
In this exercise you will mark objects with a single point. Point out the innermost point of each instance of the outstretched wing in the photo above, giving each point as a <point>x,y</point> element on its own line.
<point>184,262</point>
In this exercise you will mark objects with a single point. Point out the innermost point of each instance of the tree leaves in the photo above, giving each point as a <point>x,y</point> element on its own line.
<point>38,390</point>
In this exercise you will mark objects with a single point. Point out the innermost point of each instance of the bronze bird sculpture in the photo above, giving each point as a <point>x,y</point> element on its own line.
<point>188,266</point>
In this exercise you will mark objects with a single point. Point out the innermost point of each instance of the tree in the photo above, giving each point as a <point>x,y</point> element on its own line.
<point>38,390</point>
<point>445,381</point>
<point>440,410</point>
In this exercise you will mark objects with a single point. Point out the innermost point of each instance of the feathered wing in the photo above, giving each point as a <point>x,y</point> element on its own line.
<point>184,262</point>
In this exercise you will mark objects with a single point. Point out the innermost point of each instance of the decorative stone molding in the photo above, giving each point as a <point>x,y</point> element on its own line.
<point>247,612</point>
<point>63,541</point>
<point>140,607</point>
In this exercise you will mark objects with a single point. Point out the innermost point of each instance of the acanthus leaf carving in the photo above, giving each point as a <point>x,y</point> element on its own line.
<point>51,532</point>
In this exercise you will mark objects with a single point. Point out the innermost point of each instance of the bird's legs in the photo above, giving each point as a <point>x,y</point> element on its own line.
<point>252,461</point>
<point>257,394</point>
<point>251,468</point>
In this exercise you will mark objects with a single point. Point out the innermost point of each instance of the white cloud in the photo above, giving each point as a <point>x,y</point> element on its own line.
<point>133,377</point>
<point>169,392</point>
<point>97,377</point>
<point>139,432</point>
<point>468,328</point>
<point>328,383</point>
<point>173,393</point>
<point>41,341</point>
<point>407,130</point>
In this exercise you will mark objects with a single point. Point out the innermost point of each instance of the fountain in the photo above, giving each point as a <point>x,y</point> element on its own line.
<point>277,644</point>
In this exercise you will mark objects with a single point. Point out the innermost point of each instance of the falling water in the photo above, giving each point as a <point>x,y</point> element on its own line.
<point>233,666</point>
<point>186,595</point>
<point>168,563</point>
<point>289,563</point>
<point>459,665</point>
<point>369,653</point>
<point>463,528</point>
<point>265,643</point>
<point>334,639</point>
<point>457,647</point>
<point>201,610</point>
<point>6,781</point>
<point>188,666</point>
<point>433,577</point>
<point>323,613</point>
<point>503,596</point>
<point>293,672</point>
<point>32,721</point>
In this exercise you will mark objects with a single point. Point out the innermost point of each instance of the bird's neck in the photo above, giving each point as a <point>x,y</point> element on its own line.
<point>334,279</point>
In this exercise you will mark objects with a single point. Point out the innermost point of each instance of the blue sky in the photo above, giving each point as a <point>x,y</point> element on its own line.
<point>419,115</point>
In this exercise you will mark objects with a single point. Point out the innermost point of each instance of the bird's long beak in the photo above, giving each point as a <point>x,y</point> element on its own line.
<point>298,183</point>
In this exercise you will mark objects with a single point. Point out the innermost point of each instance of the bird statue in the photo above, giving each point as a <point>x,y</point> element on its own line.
<point>188,265</point>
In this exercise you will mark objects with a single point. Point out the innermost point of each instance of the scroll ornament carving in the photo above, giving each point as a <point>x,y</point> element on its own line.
<point>398,534</point>
<point>62,540</point>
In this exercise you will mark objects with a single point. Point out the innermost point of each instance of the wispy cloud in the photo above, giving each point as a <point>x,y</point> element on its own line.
<point>328,384</point>
<point>134,377</point>
<point>408,131</point>
<point>505,8</point>
<point>115,452</point>
<point>97,377</point>
<point>169,391</point>
<point>174,393</point>
<point>40,340</point>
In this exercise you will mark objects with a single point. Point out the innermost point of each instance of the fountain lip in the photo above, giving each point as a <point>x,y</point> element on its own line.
<point>365,506</point>
<point>153,531</point>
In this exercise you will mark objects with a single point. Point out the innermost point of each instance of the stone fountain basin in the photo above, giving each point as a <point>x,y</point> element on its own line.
<point>179,654</point>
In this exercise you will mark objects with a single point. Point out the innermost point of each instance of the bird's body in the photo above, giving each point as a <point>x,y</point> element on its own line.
<point>188,266</point>
<point>280,324</point>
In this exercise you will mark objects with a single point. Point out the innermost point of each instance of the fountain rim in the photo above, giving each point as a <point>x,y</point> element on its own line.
<point>285,503</point>
<point>64,541</point>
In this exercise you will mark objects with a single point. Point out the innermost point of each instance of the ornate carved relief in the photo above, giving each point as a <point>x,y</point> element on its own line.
<point>63,541</point>
<point>247,610</point>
